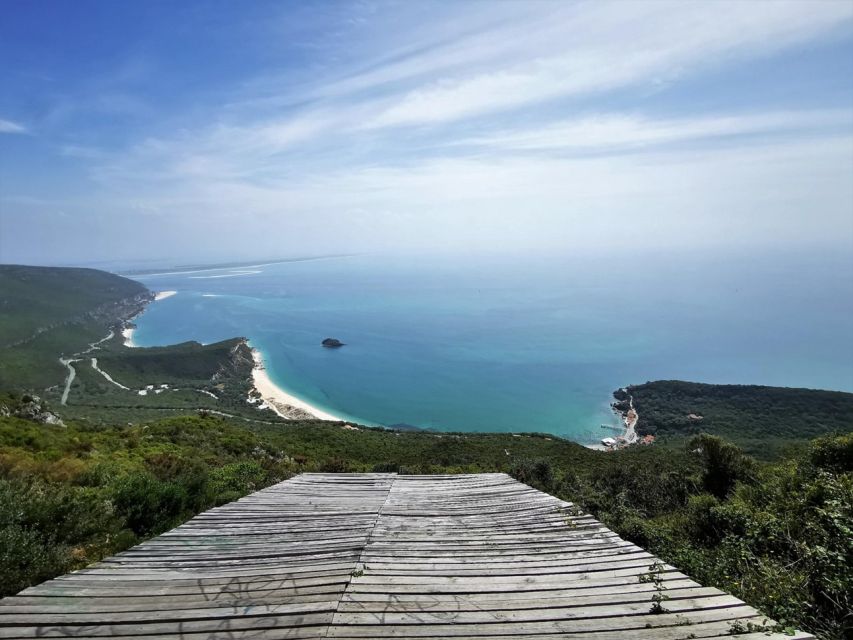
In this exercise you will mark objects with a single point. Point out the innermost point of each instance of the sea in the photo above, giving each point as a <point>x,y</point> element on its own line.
<point>520,343</point>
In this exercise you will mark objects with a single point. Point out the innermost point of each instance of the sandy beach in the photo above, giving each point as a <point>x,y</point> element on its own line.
<point>284,404</point>
<point>127,333</point>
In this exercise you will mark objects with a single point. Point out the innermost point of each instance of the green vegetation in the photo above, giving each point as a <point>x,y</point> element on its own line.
<point>177,364</point>
<point>762,420</point>
<point>178,379</point>
<point>46,312</point>
<point>112,486</point>
<point>46,297</point>
<point>776,534</point>
<point>49,313</point>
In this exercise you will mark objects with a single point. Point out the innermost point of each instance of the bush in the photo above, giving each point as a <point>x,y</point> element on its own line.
<point>235,480</point>
<point>48,529</point>
<point>148,505</point>
<point>334,465</point>
<point>386,467</point>
<point>724,464</point>
<point>702,519</point>
<point>833,454</point>
<point>28,557</point>
<point>536,473</point>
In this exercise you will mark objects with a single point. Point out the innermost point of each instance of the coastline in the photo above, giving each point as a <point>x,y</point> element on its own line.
<point>280,401</point>
<point>629,418</point>
<point>128,328</point>
<point>127,334</point>
<point>266,393</point>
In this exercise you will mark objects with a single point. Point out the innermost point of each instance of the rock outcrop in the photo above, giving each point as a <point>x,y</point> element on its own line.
<point>32,408</point>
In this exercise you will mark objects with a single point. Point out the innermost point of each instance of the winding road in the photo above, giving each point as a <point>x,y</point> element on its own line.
<point>72,372</point>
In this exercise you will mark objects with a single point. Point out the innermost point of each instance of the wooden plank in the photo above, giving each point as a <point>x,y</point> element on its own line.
<point>378,556</point>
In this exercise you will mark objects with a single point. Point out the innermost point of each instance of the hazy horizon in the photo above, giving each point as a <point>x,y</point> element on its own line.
<point>218,131</point>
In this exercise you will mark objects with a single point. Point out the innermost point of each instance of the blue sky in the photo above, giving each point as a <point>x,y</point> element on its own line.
<point>224,130</point>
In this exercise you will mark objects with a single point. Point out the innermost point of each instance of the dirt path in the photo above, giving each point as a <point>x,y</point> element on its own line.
<point>631,418</point>
<point>107,376</point>
<point>72,372</point>
<point>66,362</point>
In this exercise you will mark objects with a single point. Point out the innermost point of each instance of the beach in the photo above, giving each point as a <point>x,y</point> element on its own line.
<point>283,403</point>
<point>453,346</point>
<point>127,331</point>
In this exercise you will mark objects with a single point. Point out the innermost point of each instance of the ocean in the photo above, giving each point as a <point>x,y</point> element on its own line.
<point>520,343</point>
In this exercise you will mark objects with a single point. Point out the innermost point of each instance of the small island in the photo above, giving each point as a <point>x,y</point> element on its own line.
<point>332,343</point>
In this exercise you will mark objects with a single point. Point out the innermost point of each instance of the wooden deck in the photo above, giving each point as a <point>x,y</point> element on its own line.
<point>379,556</point>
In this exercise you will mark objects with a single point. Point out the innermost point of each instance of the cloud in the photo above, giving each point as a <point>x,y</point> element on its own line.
<point>7,126</point>
<point>610,45</point>
<point>608,132</point>
<point>751,194</point>
<point>447,124</point>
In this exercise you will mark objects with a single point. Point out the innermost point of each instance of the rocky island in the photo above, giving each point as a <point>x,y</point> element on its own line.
<point>332,343</point>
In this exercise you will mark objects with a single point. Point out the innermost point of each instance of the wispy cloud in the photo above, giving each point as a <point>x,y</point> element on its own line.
<point>609,132</point>
<point>7,126</point>
<point>517,60</point>
<point>473,123</point>
<point>609,45</point>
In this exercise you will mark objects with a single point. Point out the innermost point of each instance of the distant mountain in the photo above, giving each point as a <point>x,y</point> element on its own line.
<point>39,297</point>
<point>46,312</point>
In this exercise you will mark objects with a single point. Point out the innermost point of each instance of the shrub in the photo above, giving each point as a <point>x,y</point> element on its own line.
<point>28,557</point>
<point>536,473</point>
<point>833,453</point>
<point>724,464</point>
<point>235,480</point>
<point>148,505</point>
<point>334,465</point>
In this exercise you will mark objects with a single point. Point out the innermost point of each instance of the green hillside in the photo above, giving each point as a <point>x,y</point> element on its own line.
<point>50,297</point>
<point>46,312</point>
<point>760,419</point>
<point>53,312</point>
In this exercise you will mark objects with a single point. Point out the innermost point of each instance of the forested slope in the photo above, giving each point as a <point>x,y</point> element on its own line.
<point>761,419</point>
<point>47,312</point>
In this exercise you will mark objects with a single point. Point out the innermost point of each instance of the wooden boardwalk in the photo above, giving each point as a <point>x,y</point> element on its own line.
<point>379,556</point>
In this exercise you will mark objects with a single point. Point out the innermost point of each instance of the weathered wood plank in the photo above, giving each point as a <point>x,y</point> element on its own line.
<point>378,556</point>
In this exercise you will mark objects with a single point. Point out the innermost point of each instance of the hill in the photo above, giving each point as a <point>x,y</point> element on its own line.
<point>46,298</point>
<point>46,312</point>
<point>760,419</point>
<point>60,338</point>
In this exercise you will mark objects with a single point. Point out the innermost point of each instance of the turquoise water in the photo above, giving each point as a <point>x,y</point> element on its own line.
<point>524,344</point>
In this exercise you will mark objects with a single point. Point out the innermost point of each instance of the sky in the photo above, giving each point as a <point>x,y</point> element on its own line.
<point>171,131</point>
